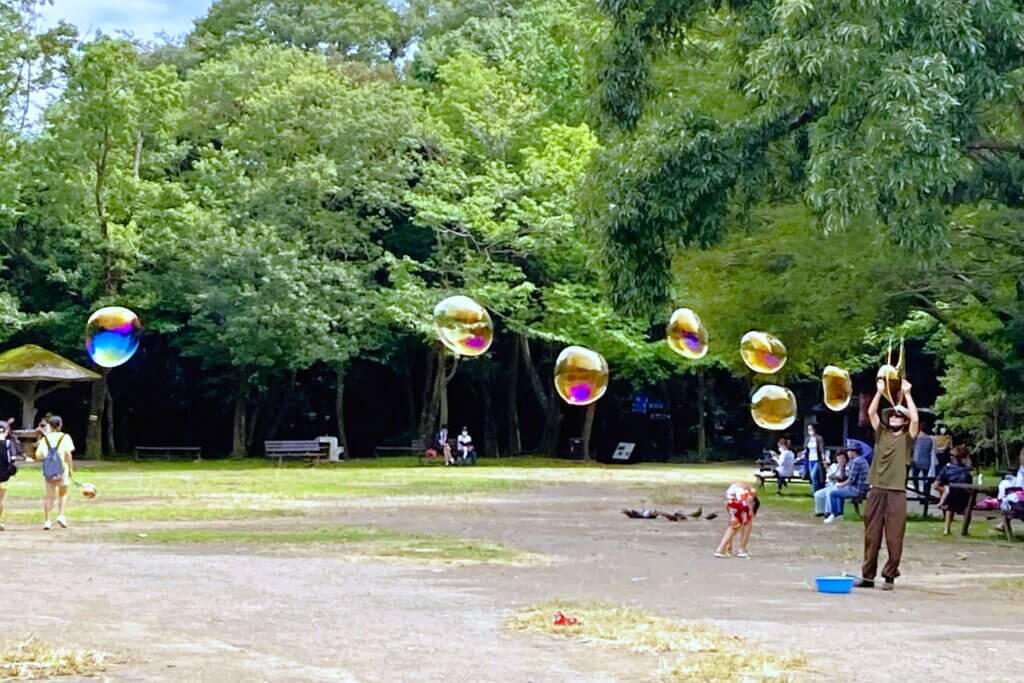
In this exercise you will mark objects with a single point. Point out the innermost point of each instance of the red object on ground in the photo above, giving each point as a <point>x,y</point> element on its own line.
<point>562,620</point>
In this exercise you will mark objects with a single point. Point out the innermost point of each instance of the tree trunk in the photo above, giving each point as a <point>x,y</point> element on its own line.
<point>588,428</point>
<point>238,449</point>
<point>702,439</point>
<point>444,378</point>
<point>531,371</point>
<point>253,420</point>
<point>137,159</point>
<point>491,447</point>
<point>670,444</point>
<point>552,429</point>
<point>339,410</point>
<point>409,393</point>
<point>108,411</point>
<point>94,432</point>
<point>515,445</point>
<point>429,395</point>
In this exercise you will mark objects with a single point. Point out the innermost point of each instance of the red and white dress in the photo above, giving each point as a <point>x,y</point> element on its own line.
<point>739,501</point>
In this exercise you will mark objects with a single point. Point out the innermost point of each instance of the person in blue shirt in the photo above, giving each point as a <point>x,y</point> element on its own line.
<point>855,486</point>
<point>862,448</point>
<point>955,500</point>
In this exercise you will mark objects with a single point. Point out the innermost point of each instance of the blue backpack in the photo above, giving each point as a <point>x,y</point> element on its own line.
<point>53,465</point>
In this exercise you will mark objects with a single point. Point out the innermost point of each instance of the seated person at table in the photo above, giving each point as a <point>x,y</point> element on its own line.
<point>862,448</point>
<point>1013,482</point>
<point>783,461</point>
<point>836,473</point>
<point>955,500</point>
<point>854,487</point>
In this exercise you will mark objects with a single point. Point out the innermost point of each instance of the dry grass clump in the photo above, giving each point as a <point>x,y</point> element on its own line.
<point>690,652</point>
<point>33,659</point>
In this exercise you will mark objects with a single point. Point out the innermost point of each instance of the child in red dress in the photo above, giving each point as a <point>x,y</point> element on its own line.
<point>742,504</point>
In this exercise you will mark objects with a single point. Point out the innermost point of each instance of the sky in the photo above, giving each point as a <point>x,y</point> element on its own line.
<point>145,19</point>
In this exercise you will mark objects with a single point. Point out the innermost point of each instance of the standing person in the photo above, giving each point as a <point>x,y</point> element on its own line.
<point>742,504</point>
<point>924,451</point>
<point>783,461</point>
<point>56,447</point>
<point>814,452</point>
<point>954,501</point>
<point>836,473</point>
<point>10,449</point>
<point>885,514</point>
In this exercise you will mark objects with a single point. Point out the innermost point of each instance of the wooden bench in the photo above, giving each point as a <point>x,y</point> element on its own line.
<point>167,452</point>
<point>415,446</point>
<point>295,449</point>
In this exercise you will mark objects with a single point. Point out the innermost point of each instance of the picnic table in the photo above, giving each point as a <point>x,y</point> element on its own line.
<point>973,490</point>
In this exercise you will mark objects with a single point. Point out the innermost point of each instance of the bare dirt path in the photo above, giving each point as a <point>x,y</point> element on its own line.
<point>231,613</point>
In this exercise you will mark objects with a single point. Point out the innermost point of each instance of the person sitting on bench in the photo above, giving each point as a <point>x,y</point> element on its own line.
<point>855,486</point>
<point>464,443</point>
<point>954,501</point>
<point>442,446</point>
<point>784,460</point>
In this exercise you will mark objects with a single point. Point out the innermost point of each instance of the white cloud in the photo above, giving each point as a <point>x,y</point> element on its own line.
<point>145,19</point>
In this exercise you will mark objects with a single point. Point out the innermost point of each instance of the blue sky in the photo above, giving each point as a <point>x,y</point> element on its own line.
<point>144,18</point>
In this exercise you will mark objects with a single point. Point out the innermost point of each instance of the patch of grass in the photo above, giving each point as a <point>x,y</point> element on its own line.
<point>368,541</point>
<point>33,659</point>
<point>88,512</point>
<point>1013,585</point>
<point>701,653</point>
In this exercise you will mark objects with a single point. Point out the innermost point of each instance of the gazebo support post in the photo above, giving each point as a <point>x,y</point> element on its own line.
<point>29,393</point>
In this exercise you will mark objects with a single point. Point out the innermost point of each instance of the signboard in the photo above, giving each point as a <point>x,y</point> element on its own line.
<point>624,451</point>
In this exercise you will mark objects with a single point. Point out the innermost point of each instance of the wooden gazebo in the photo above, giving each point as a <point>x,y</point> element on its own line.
<point>31,372</point>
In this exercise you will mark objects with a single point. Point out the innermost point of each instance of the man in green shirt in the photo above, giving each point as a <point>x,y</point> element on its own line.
<point>885,514</point>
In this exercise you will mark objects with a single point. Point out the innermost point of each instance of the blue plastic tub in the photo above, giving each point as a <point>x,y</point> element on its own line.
<point>834,584</point>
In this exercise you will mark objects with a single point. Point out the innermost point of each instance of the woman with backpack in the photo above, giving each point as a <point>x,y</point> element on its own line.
<point>10,448</point>
<point>55,450</point>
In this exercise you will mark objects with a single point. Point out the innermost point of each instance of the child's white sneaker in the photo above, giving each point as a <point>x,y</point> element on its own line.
<point>63,522</point>
<point>743,554</point>
<point>831,519</point>
<point>47,526</point>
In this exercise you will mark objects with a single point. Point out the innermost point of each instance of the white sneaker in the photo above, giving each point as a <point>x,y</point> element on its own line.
<point>63,522</point>
<point>2,527</point>
<point>47,526</point>
<point>832,519</point>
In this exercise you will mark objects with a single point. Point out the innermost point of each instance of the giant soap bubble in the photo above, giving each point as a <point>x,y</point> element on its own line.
<point>686,334</point>
<point>464,326</point>
<point>893,383</point>
<point>773,407</point>
<point>837,387</point>
<point>112,336</point>
<point>762,352</point>
<point>581,375</point>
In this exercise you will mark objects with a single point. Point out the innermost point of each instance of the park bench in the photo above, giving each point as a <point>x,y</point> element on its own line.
<point>312,449</point>
<point>765,476</point>
<point>415,446</point>
<point>168,452</point>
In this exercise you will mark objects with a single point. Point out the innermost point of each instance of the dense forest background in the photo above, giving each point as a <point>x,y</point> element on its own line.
<point>283,194</point>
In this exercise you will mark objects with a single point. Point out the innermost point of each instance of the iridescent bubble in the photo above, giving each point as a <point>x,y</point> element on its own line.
<point>773,407</point>
<point>687,335</point>
<point>581,376</point>
<point>112,336</point>
<point>837,387</point>
<point>762,352</point>
<point>464,326</point>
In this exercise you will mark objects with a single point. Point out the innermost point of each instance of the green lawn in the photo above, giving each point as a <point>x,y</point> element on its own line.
<point>364,541</point>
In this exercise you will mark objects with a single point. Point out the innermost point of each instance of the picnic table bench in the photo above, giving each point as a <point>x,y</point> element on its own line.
<point>764,476</point>
<point>167,452</point>
<point>972,504</point>
<point>415,446</point>
<point>312,449</point>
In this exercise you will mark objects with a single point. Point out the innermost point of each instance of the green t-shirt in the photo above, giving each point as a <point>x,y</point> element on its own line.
<point>893,455</point>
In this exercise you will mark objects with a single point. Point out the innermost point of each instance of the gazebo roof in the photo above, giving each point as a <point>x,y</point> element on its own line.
<point>31,363</point>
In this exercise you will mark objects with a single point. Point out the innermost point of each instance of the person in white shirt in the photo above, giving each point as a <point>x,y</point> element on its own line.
<point>1013,481</point>
<point>464,444</point>
<point>836,473</point>
<point>784,459</point>
<point>814,452</point>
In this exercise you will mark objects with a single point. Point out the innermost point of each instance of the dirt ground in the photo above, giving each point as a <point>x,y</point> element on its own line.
<point>232,613</point>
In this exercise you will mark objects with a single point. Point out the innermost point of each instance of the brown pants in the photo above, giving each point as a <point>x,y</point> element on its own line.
<point>885,513</point>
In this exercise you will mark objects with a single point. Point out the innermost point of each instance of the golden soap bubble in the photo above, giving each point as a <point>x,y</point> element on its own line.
<point>464,326</point>
<point>838,388</point>
<point>893,382</point>
<point>773,407</point>
<point>762,352</point>
<point>687,335</point>
<point>581,375</point>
